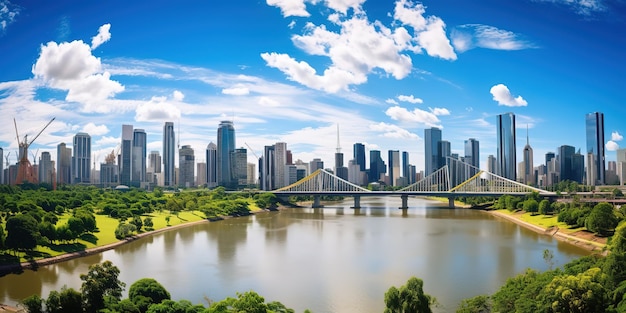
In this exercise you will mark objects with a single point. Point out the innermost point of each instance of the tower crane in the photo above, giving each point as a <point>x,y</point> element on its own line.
<point>252,150</point>
<point>25,172</point>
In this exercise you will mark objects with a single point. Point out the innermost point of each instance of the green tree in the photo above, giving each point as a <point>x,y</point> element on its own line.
<point>148,223</point>
<point>182,306</point>
<point>53,303</point>
<point>137,222</point>
<point>478,304</point>
<point>99,283</point>
<point>46,229</point>
<point>22,232</point>
<point>76,226</point>
<point>147,291</point>
<point>531,206</point>
<point>33,304</point>
<point>70,300</point>
<point>410,298</point>
<point>544,207</point>
<point>124,230</point>
<point>602,219</point>
<point>577,294</point>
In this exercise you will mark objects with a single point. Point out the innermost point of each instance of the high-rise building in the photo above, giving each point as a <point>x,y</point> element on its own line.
<point>109,171</point>
<point>432,137</point>
<point>2,166</point>
<point>621,165</point>
<point>225,148</point>
<point>528,170</point>
<point>46,168</point>
<point>81,161</point>
<point>444,150</point>
<point>186,164</point>
<point>394,167</point>
<point>200,174</point>
<point>211,165</point>
<point>138,157</point>
<point>340,170</point>
<point>169,154</point>
<point>267,170</point>
<point>64,164</point>
<point>506,157</point>
<point>492,165</point>
<point>126,157</point>
<point>154,162</point>
<point>280,160</point>
<point>316,164</point>
<point>549,156</point>
<point>570,167</point>
<point>251,174</point>
<point>472,153</point>
<point>377,166</point>
<point>594,126</point>
<point>406,169</point>
<point>359,155</point>
<point>240,162</point>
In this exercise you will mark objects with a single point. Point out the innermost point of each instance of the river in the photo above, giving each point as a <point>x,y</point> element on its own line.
<point>334,259</point>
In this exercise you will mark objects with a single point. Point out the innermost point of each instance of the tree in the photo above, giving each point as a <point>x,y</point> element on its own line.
<point>46,229</point>
<point>53,303</point>
<point>410,298</point>
<point>76,226</point>
<point>147,291</point>
<point>99,283</point>
<point>147,222</point>
<point>478,304</point>
<point>22,232</point>
<point>544,207</point>
<point>548,257</point>
<point>33,304</point>
<point>124,230</point>
<point>70,300</point>
<point>602,219</point>
<point>531,206</point>
<point>581,293</point>
<point>137,222</point>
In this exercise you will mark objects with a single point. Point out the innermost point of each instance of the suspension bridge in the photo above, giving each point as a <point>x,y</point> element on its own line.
<point>455,179</point>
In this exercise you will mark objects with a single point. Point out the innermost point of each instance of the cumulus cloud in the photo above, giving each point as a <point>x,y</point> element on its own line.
<point>418,116</point>
<point>470,36</point>
<point>72,67</point>
<point>358,46</point>
<point>178,96</point>
<point>157,109</point>
<point>503,96</point>
<point>95,130</point>
<point>615,136</point>
<point>290,7</point>
<point>8,12</point>
<point>611,145</point>
<point>393,131</point>
<point>103,36</point>
<point>236,91</point>
<point>410,98</point>
<point>439,111</point>
<point>391,101</point>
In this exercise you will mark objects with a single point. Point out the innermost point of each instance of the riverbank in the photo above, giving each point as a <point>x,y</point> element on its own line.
<point>579,238</point>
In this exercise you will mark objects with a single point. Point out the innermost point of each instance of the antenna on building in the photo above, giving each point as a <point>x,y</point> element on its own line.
<point>527,140</point>
<point>338,145</point>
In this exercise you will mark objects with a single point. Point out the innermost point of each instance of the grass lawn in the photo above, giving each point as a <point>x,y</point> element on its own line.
<point>544,221</point>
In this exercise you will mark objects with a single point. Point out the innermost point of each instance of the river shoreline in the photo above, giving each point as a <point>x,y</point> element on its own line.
<point>553,232</point>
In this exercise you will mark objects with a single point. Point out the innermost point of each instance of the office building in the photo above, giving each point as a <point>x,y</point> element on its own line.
<point>138,158</point>
<point>64,164</point>
<point>432,137</point>
<point>280,160</point>
<point>267,169</point>
<point>201,174</point>
<point>444,151</point>
<point>359,156</point>
<point>472,153</point>
<point>316,164</point>
<point>506,148</point>
<point>46,168</point>
<point>394,167</point>
<point>225,148</point>
<point>251,169</point>
<point>570,164</point>
<point>169,154</point>
<point>492,164</point>
<point>240,162</point>
<point>527,172</point>
<point>211,165</point>
<point>377,167</point>
<point>594,129</point>
<point>126,155</point>
<point>81,160</point>
<point>186,164</point>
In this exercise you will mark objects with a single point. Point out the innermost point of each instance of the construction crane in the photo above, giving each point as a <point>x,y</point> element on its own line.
<point>252,150</point>
<point>25,172</point>
<point>35,157</point>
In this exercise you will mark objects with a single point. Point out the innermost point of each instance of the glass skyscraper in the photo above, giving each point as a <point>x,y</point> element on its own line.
<point>139,154</point>
<point>169,153</point>
<point>211,165</point>
<point>126,157</point>
<point>359,155</point>
<point>81,162</point>
<point>594,128</point>
<point>506,148</point>
<point>432,137</point>
<point>394,167</point>
<point>226,147</point>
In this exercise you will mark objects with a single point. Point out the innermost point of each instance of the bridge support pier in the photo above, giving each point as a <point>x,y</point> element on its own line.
<point>451,202</point>
<point>357,202</point>
<point>405,200</point>
<point>316,202</point>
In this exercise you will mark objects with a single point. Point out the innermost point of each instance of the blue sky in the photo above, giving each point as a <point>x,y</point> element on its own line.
<point>291,70</point>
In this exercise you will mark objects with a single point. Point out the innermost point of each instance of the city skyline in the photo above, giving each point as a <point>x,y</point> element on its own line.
<point>287,79</point>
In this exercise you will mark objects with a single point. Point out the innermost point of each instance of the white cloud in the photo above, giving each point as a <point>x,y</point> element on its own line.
<point>268,102</point>
<point>95,130</point>
<point>410,98</point>
<point>8,12</point>
<point>103,36</point>
<point>469,36</point>
<point>611,145</point>
<point>615,136</point>
<point>582,7</point>
<point>439,111</point>
<point>416,116</point>
<point>391,101</point>
<point>290,7</point>
<point>178,96</point>
<point>503,96</point>
<point>157,109</point>
<point>393,131</point>
<point>342,6</point>
<point>236,91</point>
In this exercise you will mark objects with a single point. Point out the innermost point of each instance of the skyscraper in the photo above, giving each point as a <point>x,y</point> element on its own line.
<point>491,164</point>
<point>126,155</point>
<point>280,160</point>
<point>267,169</point>
<point>432,137</point>
<point>472,152</point>
<point>2,166</point>
<point>138,163</point>
<point>506,157</point>
<point>64,164</point>
<point>211,165</point>
<point>566,162</point>
<point>169,153</point>
<point>359,155</point>
<point>528,170</point>
<point>444,150</point>
<point>46,168</point>
<point>240,162</point>
<point>394,167</point>
<point>377,166</point>
<point>200,174</point>
<point>81,161</point>
<point>594,126</point>
<point>186,164</point>
<point>406,169</point>
<point>225,148</point>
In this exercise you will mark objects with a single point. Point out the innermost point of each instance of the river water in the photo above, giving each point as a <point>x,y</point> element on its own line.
<point>334,259</point>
